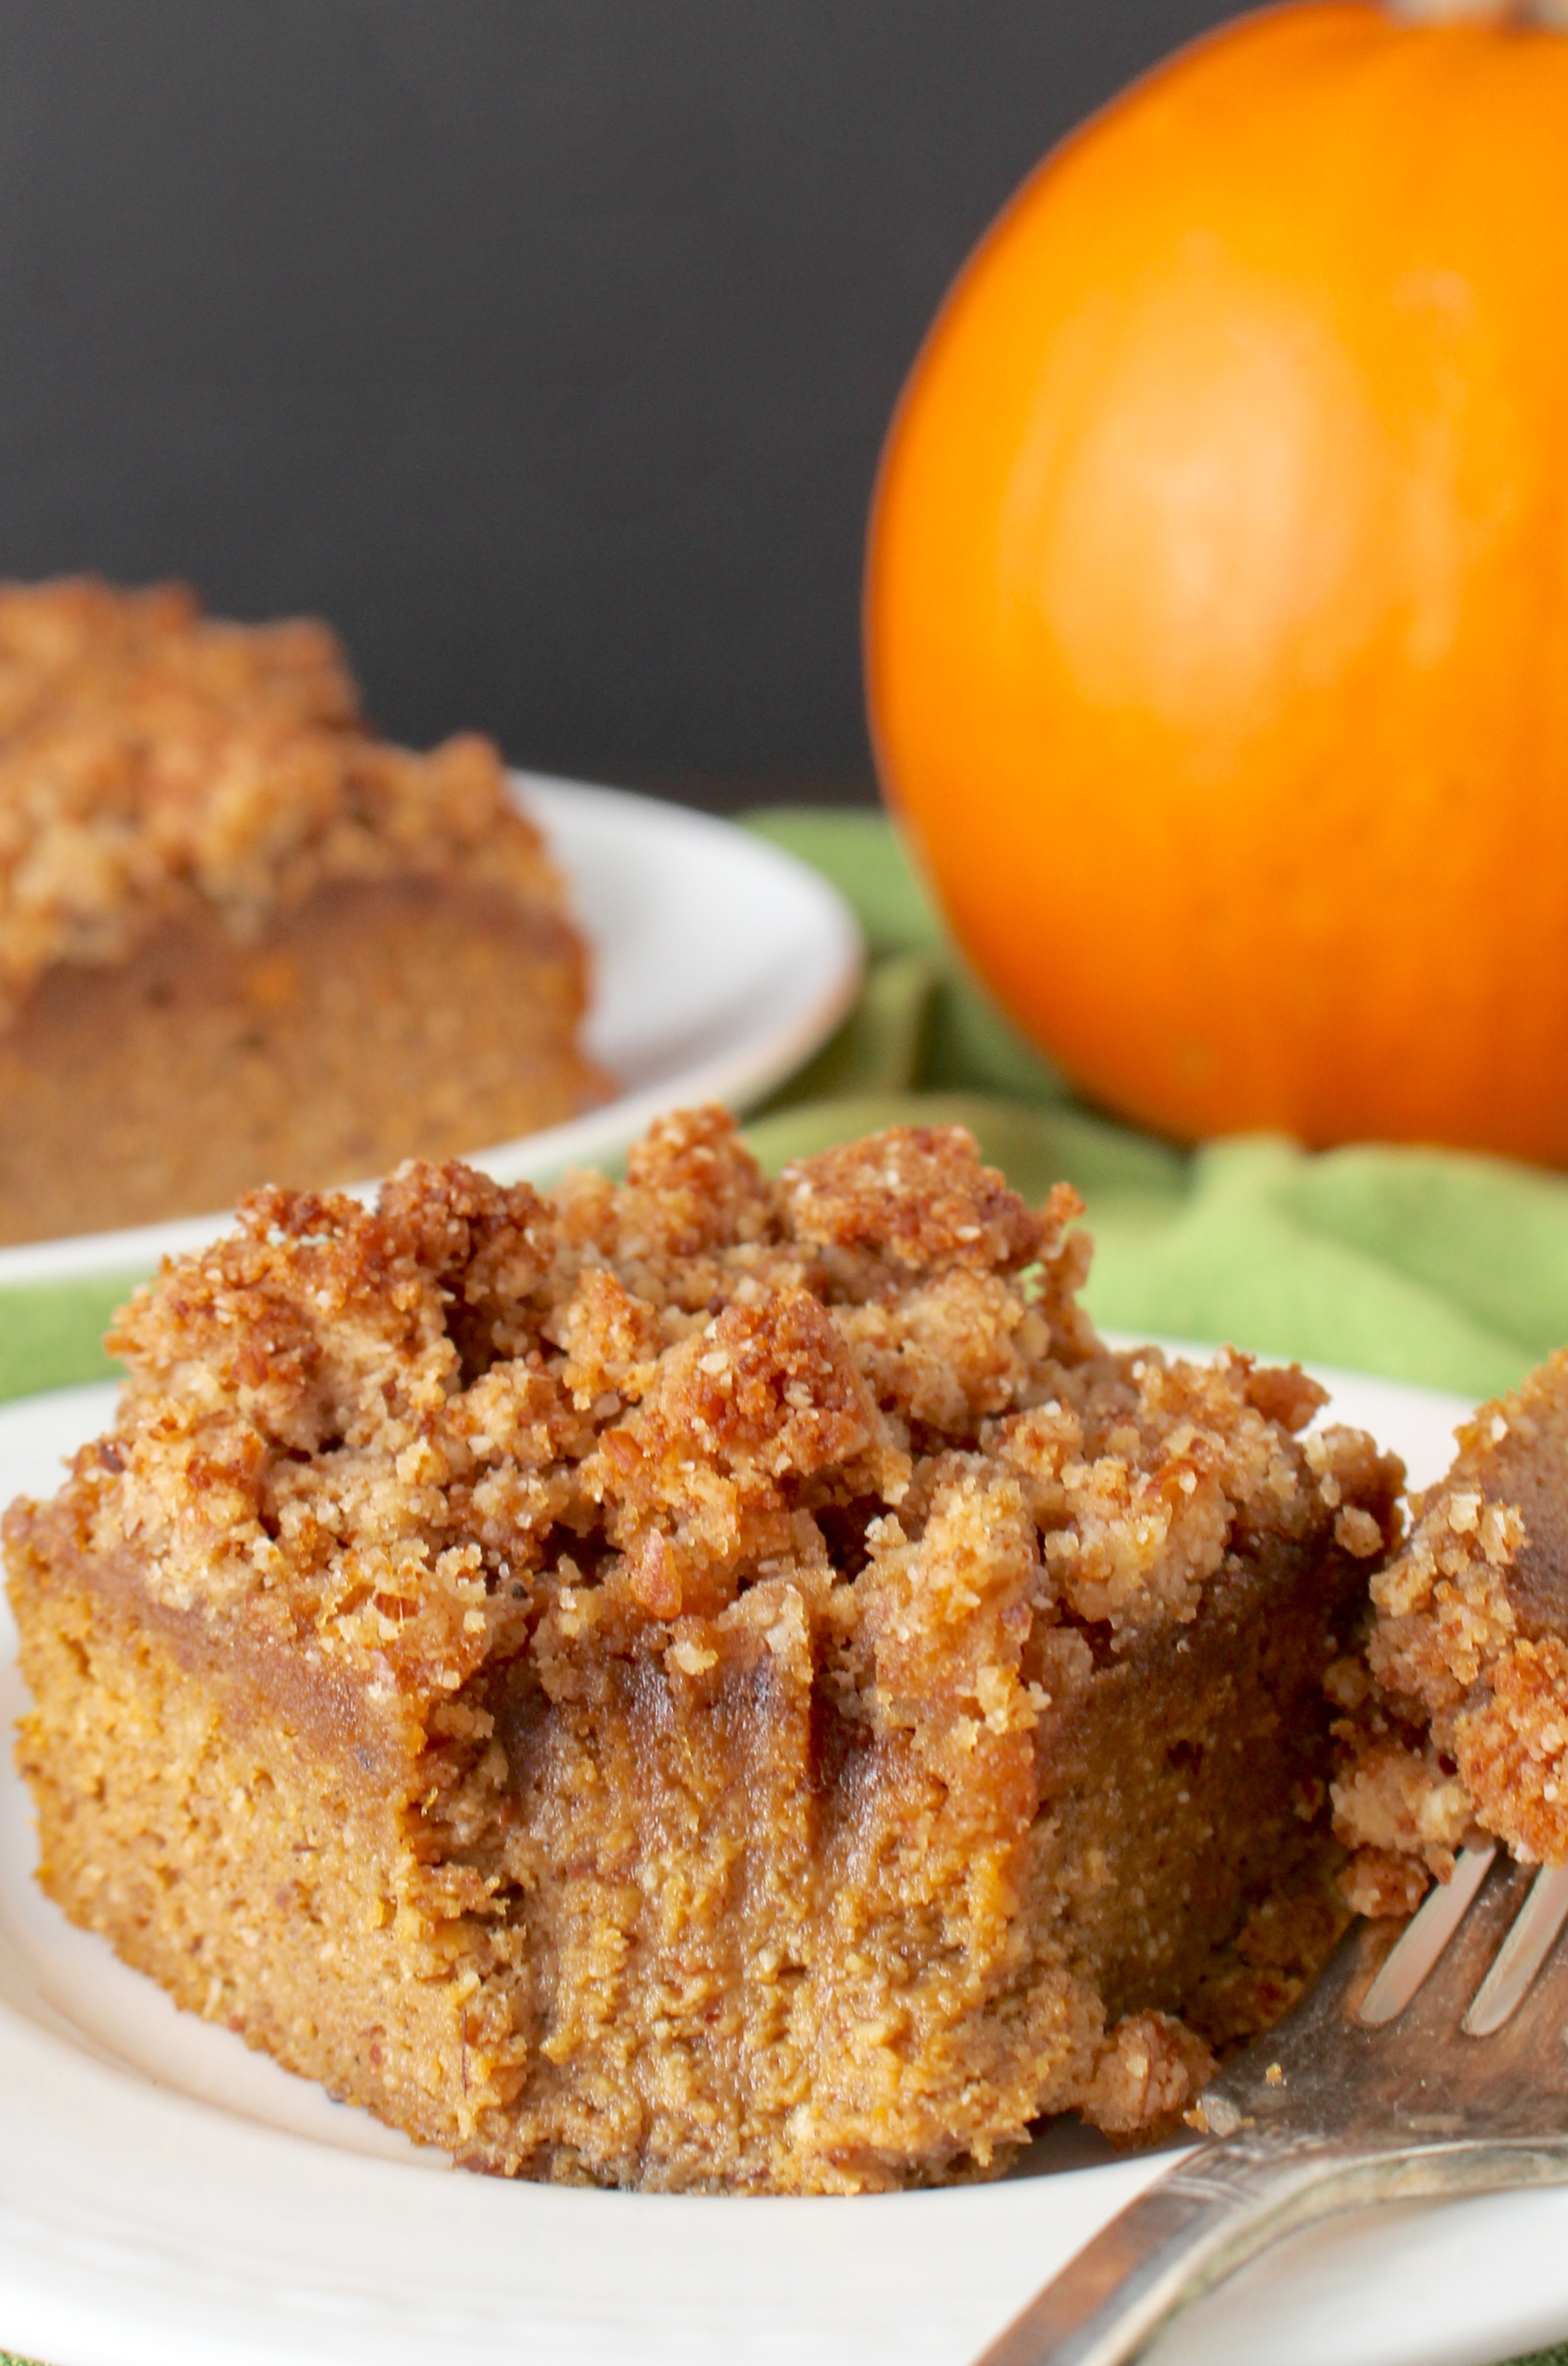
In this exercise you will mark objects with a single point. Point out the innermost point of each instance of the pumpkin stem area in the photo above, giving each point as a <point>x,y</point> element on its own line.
<point>1504,12</point>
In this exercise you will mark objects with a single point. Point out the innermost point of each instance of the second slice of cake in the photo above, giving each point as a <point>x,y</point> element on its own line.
<point>713,1683</point>
<point>240,936</point>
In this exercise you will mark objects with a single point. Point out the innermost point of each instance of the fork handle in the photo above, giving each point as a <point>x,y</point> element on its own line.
<point>1221,2205</point>
<point>1203,2219</point>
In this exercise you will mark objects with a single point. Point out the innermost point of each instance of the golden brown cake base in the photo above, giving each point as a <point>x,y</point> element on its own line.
<point>718,1684</point>
<point>413,1017</point>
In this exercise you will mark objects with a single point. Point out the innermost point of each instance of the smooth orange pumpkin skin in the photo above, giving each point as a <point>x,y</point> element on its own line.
<point>1217,592</point>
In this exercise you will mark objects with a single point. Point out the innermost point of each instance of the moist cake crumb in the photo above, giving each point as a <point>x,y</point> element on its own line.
<point>713,1683</point>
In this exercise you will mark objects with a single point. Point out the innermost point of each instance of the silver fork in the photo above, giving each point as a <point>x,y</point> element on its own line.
<point>1427,2063</point>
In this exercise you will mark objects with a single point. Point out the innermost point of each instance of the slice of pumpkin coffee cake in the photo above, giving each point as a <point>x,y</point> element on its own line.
<point>718,1682</point>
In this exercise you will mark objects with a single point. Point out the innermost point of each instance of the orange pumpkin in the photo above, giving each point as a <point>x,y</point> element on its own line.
<point>1217,597</point>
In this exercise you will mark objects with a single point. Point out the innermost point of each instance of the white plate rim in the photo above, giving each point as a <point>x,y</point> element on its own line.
<point>166,2268</point>
<point>825,979</point>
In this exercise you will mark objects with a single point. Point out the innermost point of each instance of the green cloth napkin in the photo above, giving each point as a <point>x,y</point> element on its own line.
<point>1423,1265</point>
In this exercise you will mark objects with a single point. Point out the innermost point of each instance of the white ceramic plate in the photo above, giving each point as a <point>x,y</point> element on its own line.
<point>720,965</point>
<point>169,2198</point>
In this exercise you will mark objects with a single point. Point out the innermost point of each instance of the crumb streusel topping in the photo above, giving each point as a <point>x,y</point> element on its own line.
<point>152,758</point>
<point>364,1414</point>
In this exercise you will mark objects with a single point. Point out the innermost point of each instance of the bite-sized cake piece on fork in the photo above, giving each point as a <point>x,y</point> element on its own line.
<point>1455,1721</point>
<point>713,1683</point>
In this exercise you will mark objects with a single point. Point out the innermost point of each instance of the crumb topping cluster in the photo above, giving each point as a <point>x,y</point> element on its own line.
<point>152,758</point>
<point>476,1420</point>
<point>1456,1720</point>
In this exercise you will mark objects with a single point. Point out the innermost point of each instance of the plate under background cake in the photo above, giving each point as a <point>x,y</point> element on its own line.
<point>720,963</point>
<point>716,1683</point>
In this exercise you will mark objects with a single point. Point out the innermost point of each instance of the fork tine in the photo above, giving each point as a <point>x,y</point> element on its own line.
<point>1521,1954</point>
<point>1428,1933</point>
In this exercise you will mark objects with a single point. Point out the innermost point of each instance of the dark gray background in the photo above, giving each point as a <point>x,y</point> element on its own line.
<point>543,345</point>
